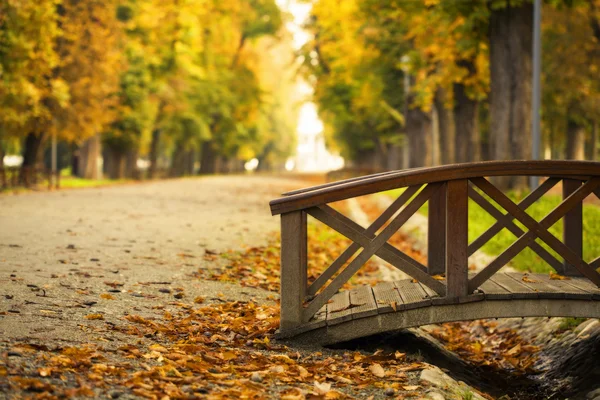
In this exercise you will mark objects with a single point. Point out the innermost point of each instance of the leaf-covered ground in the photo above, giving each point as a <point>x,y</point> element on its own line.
<point>167,319</point>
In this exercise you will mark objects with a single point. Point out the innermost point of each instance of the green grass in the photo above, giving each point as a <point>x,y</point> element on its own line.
<point>74,183</point>
<point>527,260</point>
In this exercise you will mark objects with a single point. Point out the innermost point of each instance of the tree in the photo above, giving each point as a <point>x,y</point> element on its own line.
<point>91,62</point>
<point>30,91</point>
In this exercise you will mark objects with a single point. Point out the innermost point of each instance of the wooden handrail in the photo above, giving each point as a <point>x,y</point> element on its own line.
<point>369,184</point>
<point>447,189</point>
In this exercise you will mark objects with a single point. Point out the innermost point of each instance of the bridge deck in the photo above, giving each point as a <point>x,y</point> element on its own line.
<point>401,296</point>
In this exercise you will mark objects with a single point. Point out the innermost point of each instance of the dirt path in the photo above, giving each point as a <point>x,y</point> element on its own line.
<point>64,255</point>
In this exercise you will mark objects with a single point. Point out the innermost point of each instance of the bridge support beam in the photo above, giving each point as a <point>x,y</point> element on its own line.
<point>457,241</point>
<point>436,233</point>
<point>573,226</point>
<point>293,268</point>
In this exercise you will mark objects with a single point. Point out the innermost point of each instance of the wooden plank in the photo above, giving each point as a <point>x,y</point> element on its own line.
<point>354,247</point>
<point>501,222</point>
<point>515,288</point>
<point>573,227</point>
<point>338,308</point>
<point>552,168</point>
<point>544,289</point>
<point>584,284</point>
<point>457,226</point>
<point>413,295</point>
<point>540,229</point>
<point>493,291</point>
<point>293,269</point>
<point>387,295</point>
<point>363,302</point>
<point>569,291</point>
<point>513,228</point>
<point>436,233</point>
<point>430,293</point>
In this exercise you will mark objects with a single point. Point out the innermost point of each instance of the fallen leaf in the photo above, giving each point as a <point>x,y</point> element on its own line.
<point>292,394</point>
<point>377,370</point>
<point>94,316</point>
<point>557,277</point>
<point>322,388</point>
<point>411,387</point>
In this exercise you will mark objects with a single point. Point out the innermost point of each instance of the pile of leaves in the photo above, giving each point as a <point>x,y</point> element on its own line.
<point>258,267</point>
<point>219,351</point>
<point>482,343</point>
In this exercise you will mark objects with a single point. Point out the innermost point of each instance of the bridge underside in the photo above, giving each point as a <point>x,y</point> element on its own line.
<point>389,306</point>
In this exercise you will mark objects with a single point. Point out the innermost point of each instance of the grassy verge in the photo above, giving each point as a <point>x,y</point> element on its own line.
<point>527,260</point>
<point>74,183</point>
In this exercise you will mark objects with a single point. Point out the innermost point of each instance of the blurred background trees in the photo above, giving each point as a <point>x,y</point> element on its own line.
<point>459,73</point>
<point>169,81</point>
<point>190,86</point>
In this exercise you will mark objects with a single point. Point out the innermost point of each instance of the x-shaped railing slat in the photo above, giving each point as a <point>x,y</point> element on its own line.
<point>536,229</point>
<point>373,246</point>
<point>529,200</point>
<point>513,228</point>
<point>354,247</point>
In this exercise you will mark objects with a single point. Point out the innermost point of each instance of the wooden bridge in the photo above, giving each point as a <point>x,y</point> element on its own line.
<point>443,290</point>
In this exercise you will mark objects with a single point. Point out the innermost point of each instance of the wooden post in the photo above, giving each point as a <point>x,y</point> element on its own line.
<point>457,259</point>
<point>573,227</point>
<point>293,268</point>
<point>436,233</point>
<point>3,183</point>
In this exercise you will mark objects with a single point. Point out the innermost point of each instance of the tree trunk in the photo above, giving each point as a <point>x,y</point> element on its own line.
<point>131,171</point>
<point>208,160</point>
<point>154,146</point>
<point>394,157</point>
<point>466,121</point>
<point>190,161</point>
<point>446,128</point>
<point>575,141</point>
<point>511,81</point>
<point>2,154</point>
<point>114,163</point>
<point>32,151</point>
<point>178,162</point>
<point>418,130</point>
<point>88,155</point>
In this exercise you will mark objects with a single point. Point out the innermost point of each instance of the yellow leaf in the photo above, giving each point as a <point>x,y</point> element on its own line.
<point>94,316</point>
<point>411,387</point>
<point>557,277</point>
<point>322,388</point>
<point>107,296</point>
<point>377,370</point>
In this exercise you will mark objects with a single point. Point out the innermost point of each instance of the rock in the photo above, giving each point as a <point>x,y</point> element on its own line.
<point>433,395</point>
<point>588,327</point>
<point>595,395</point>
<point>436,377</point>
<point>451,388</point>
<point>256,377</point>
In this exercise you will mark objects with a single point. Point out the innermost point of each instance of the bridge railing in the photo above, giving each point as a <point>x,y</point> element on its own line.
<point>447,189</point>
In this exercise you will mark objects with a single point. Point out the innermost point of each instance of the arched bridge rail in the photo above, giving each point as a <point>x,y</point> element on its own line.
<point>443,290</point>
